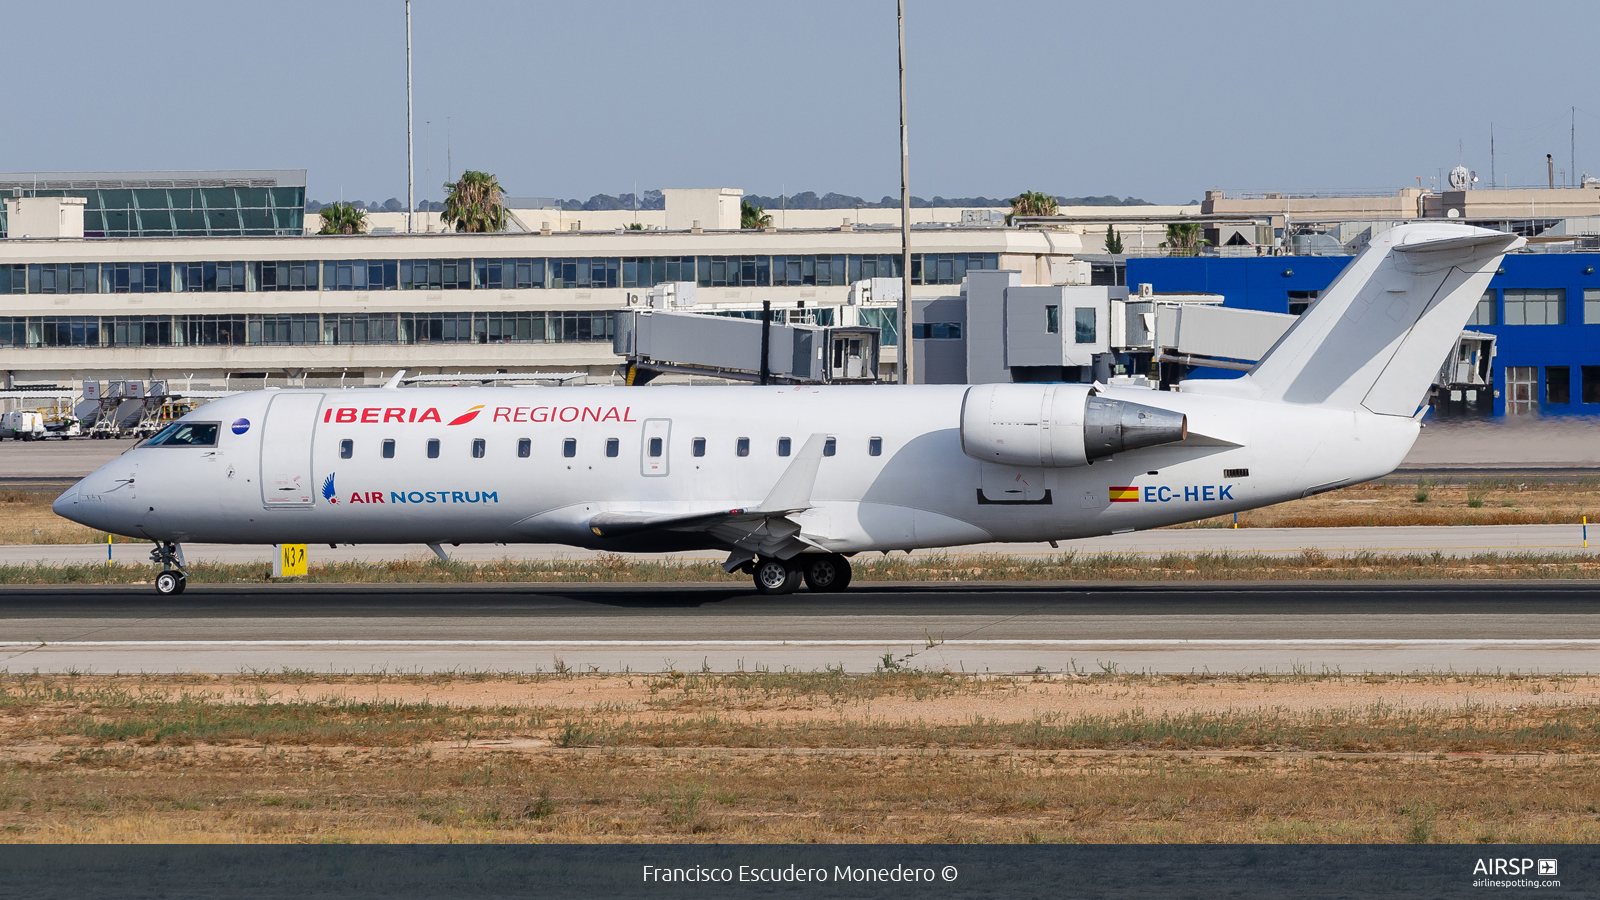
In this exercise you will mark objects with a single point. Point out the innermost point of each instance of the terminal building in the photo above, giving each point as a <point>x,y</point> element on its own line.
<point>209,281</point>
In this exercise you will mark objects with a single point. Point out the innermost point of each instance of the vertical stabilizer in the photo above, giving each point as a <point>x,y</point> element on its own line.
<point>1377,335</point>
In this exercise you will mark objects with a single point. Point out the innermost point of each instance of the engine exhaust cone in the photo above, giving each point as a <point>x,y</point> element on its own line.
<point>1112,426</point>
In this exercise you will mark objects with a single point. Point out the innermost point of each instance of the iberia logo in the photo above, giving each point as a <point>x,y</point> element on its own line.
<point>328,492</point>
<point>1128,494</point>
<point>465,417</point>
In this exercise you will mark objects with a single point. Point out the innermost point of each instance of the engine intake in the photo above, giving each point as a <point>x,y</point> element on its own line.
<point>1059,425</point>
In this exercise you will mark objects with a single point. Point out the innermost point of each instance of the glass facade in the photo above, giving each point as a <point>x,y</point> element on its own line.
<point>836,269</point>
<point>175,204</point>
<point>559,326</point>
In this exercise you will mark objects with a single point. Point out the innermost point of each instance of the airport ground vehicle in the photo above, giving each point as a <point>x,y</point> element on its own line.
<point>792,480</point>
<point>22,425</point>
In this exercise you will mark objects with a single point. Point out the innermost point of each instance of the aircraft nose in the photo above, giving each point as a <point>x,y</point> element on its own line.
<point>66,503</point>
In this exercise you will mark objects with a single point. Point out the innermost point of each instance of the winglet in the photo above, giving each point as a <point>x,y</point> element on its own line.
<point>395,381</point>
<point>792,493</point>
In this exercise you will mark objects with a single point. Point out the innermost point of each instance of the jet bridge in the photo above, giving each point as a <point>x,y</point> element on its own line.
<point>657,341</point>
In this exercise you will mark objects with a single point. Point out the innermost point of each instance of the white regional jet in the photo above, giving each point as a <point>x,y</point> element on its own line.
<point>791,481</point>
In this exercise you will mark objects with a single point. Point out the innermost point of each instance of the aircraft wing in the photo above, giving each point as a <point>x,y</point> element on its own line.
<point>765,529</point>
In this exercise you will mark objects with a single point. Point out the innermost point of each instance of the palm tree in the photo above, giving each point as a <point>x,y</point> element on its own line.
<point>1183,239</point>
<point>752,216</point>
<point>1032,203</point>
<point>343,218</point>
<point>475,203</point>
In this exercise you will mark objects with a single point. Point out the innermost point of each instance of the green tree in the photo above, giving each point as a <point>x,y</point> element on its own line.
<point>343,218</point>
<point>475,203</point>
<point>1183,239</point>
<point>1113,240</point>
<point>1032,203</point>
<point>752,216</point>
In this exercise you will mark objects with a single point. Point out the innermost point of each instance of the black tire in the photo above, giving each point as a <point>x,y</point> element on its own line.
<point>776,576</point>
<point>170,583</point>
<point>826,573</point>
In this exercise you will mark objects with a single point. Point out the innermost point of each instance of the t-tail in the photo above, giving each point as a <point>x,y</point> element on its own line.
<point>1377,336</point>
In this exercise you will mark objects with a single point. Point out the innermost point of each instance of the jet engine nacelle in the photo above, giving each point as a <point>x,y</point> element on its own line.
<point>1058,425</point>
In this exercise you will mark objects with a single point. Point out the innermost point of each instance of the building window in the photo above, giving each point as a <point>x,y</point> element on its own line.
<point>1052,320</point>
<point>1521,389</point>
<point>1083,326</point>
<point>1591,306</point>
<point>1300,300</point>
<point>938,331</point>
<point>347,448</point>
<point>524,448</point>
<point>478,448</point>
<point>388,449</point>
<point>569,448</point>
<point>1484,312</point>
<point>875,446</point>
<point>699,446</point>
<point>1591,384</point>
<point>613,447</point>
<point>743,447</point>
<point>1536,306</point>
<point>433,448</point>
<point>1558,384</point>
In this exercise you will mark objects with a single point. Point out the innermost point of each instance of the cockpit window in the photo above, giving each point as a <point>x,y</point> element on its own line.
<point>187,434</point>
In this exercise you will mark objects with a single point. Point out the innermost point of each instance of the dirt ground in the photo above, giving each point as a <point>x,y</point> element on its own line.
<point>800,757</point>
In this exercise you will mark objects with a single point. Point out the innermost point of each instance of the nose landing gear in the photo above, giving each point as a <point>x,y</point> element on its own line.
<point>173,579</point>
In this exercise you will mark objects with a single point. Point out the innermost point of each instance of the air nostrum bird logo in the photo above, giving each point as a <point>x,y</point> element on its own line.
<point>328,492</point>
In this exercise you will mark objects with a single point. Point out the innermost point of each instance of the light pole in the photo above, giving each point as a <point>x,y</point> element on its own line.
<point>907,341</point>
<point>411,178</point>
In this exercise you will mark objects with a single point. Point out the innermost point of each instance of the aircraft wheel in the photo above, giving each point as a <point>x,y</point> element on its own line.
<point>776,576</point>
<point>826,573</point>
<point>169,583</point>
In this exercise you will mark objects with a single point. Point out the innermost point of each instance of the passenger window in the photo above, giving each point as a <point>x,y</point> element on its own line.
<point>655,446</point>
<point>830,447</point>
<point>569,448</point>
<point>744,447</point>
<point>783,446</point>
<point>478,447</point>
<point>875,446</point>
<point>699,446</point>
<point>433,448</point>
<point>347,448</point>
<point>524,448</point>
<point>612,446</point>
<point>388,449</point>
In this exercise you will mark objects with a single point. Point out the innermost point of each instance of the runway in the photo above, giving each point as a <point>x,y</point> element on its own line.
<point>1525,627</point>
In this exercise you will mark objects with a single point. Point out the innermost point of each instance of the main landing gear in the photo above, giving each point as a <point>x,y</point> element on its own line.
<point>822,573</point>
<point>173,579</point>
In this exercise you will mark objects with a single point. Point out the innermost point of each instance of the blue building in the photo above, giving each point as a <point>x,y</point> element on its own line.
<point>1543,308</point>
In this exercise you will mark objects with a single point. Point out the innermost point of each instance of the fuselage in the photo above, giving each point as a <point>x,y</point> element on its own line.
<point>537,464</point>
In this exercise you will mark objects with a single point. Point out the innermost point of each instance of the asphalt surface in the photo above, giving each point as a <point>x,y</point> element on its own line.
<point>1388,627</point>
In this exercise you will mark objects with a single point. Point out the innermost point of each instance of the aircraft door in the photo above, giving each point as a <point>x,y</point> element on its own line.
<point>286,451</point>
<point>653,454</point>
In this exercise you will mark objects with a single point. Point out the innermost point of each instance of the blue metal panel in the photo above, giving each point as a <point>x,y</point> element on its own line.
<point>1264,283</point>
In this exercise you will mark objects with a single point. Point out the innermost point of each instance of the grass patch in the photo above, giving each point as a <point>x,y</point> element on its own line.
<point>1310,564</point>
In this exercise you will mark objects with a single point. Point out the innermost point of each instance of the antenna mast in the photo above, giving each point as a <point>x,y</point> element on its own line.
<point>411,173</point>
<point>907,342</point>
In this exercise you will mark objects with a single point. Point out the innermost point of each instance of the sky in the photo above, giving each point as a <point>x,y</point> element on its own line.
<point>1151,99</point>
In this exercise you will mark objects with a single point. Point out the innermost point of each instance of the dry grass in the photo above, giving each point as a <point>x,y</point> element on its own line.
<point>1307,565</point>
<point>1475,501</point>
<point>26,518</point>
<point>799,757</point>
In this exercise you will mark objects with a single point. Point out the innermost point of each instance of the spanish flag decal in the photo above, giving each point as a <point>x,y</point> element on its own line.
<point>1124,495</point>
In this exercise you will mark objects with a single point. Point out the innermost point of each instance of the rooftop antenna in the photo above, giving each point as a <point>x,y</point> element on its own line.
<point>907,343</point>
<point>449,167</point>
<point>1572,136</point>
<point>411,173</point>
<point>1491,155</point>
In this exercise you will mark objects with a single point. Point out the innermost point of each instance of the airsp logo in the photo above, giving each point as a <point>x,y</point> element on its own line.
<point>1501,866</point>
